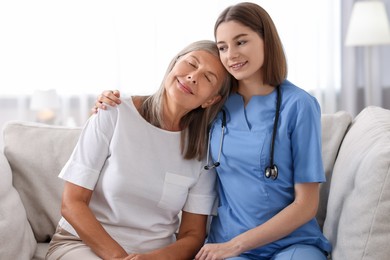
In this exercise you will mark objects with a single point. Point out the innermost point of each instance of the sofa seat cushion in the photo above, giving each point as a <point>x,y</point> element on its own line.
<point>357,219</point>
<point>41,251</point>
<point>36,154</point>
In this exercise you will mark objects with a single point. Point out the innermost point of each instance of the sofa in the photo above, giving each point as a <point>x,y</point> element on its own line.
<point>354,209</point>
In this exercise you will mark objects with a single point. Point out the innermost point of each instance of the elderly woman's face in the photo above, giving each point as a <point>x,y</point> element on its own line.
<point>195,80</point>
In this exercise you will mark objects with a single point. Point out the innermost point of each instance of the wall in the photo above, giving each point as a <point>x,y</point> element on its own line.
<point>74,111</point>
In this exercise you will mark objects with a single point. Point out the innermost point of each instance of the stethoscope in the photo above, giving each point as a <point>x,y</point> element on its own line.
<point>271,171</point>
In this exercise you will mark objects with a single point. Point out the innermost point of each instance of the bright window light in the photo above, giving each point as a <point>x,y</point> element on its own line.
<point>86,46</point>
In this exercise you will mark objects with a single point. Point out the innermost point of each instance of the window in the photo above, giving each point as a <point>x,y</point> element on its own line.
<point>86,46</point>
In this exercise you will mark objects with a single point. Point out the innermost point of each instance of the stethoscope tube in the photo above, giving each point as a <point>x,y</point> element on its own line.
<point>217,163</point>
<point>272,170</point>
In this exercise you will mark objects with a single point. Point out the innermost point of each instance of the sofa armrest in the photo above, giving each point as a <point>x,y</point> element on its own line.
<point>357,220</point>
<point>15,229</point>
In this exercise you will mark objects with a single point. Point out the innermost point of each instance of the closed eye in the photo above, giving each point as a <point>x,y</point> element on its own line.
<point>192,64</point>
<point>211,77</point>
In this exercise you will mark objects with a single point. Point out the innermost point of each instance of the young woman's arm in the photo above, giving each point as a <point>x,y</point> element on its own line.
<point>109,97</point>
<point>75,210</point>
<point>299,212</point>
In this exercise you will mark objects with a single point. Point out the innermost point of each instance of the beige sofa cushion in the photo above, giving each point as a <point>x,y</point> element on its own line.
<point>334,127</point>
<point>36,154</point>
<point>16,238</point>
<point>358,215</point>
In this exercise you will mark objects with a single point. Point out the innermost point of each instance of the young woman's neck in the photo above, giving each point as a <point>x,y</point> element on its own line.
<point>247,89</point>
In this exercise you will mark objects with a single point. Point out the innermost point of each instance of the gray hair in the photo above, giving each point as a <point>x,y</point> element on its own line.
<point>196,123</point>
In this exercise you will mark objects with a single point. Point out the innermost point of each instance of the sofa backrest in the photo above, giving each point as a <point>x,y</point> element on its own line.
<point>36,154</point>
<point>334,126</point>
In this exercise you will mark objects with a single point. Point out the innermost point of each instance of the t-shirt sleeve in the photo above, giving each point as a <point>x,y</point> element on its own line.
<point>202,196</point>
<point>91,151</point>
<point>306,143</point>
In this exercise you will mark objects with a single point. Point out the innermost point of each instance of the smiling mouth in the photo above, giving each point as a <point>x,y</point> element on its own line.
<point>185,88</point>
<point>237,66</point>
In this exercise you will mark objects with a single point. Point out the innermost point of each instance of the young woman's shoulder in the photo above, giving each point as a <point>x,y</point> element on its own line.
<point>293,93</point>
<point>298,98</point>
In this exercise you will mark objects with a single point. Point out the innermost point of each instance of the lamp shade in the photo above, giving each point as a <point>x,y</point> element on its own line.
<point>44,99</point>
<point>368,25</point>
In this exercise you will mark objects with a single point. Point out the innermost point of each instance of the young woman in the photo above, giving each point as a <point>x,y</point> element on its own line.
<point>137,166</point>
<point>266,148</point>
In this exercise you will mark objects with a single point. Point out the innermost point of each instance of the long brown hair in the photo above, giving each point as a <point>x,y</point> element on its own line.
<point>196,123</point>
<point>256,18</point>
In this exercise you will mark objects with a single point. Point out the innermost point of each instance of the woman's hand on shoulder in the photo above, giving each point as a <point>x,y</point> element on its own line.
<point>107,97</point>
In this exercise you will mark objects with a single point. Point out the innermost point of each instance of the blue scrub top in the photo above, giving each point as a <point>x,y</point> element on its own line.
<point>247,197</point>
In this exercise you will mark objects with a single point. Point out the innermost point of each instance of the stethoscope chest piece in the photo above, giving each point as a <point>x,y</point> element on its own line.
<point>271,172</point>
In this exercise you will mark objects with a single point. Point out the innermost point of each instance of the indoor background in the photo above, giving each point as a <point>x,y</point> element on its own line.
<point>56,56</point>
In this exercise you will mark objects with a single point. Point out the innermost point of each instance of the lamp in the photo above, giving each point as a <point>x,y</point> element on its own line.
<point>368,26</point>
<point>45,102</point>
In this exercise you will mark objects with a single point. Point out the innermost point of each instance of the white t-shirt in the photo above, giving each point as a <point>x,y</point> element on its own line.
<point>139,178</point>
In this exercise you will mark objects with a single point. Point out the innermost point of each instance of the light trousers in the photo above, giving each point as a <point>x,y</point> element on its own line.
<point>65,246</point>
